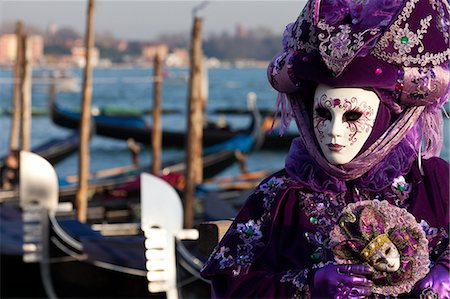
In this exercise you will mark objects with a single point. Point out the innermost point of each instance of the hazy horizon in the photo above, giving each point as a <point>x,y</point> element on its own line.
<point>146,19</point>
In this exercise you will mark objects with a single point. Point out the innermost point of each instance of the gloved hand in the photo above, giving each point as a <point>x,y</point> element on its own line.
<point>342,281</point>
<point>437,282</point>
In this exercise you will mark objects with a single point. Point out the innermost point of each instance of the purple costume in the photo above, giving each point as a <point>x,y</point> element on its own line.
<point>281,238</point>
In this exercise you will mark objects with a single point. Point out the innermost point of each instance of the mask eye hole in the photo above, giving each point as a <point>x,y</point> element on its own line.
<point>352,116</point>
<point>387,251</point>
<point>323,113</point>
<point>377,261</point>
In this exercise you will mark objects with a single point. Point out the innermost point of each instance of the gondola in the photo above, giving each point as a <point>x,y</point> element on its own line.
<point>83,263</point>
<point>106,184</point>
<point>76,266</point>
<point>74,272</point>
<point>273,139</point>
<point>67,259</point>
<point>56,149</point>
<point>216,158</point>
<point>125,127</point>
<point>103,189</point>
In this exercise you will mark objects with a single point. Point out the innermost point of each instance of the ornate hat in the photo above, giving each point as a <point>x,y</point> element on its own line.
<point>399,48</point>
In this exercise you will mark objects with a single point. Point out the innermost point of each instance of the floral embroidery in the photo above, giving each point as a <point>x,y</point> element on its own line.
<point>338,48</point>
<point>293,40</point>
<point>434,234</point>
<point>270,188</point>
<point>323,211</point>
<point>250,232</point>
<point>224,261</point>
<point>430,232</point>
<point>339,44</point>
<point>390,196</point>
<point>442,22</point>
<point>401,188</point>
<point>404,40</point>
<point>297,277</point>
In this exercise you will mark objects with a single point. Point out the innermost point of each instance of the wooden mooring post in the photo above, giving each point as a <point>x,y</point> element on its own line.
<point>25,90</point>
<point>157,127</point>
<point>195,125</point>
<point>16,100</point>
<point>84,160</point>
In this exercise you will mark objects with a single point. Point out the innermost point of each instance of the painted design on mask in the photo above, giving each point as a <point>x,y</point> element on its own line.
<point>358,117</point>
<point>364,121</point>
<point>319,120</point>
<point>343,119</point>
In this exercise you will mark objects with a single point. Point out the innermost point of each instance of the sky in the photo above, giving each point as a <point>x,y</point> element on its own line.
<point>146,19</point>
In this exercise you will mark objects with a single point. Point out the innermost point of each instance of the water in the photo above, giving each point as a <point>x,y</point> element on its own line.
<point>131,87</point>
<point>228,88</point>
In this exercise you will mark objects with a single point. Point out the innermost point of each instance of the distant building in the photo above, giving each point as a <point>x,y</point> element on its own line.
<point>36,44</point>
<point>52,29</point>
<point>178,58</point>
<point>8,48</point>
<point>149,51</point>
<point>78,56</point>
<point>240,31</point>
<point>76,42</point>
<point>122,46</point>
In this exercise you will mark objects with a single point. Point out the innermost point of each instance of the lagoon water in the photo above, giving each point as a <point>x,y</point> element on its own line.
<point>132,88</point>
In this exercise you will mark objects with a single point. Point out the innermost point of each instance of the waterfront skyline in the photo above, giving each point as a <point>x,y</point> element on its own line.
<point>147,19</point>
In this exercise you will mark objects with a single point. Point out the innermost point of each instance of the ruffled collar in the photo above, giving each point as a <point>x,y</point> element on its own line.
<point>304,169</point>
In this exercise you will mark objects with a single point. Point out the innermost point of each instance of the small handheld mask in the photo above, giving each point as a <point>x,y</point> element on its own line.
<point>387,238</point>
<point>382,254</point>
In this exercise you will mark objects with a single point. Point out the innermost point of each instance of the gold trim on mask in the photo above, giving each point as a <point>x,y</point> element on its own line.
<point>374,245</point>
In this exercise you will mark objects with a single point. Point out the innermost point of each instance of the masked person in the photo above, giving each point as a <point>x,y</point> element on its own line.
<point>361,207</point>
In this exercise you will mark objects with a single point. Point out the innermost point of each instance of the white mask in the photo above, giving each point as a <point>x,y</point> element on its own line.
<point>386,258</point>
<point>343,119</point>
